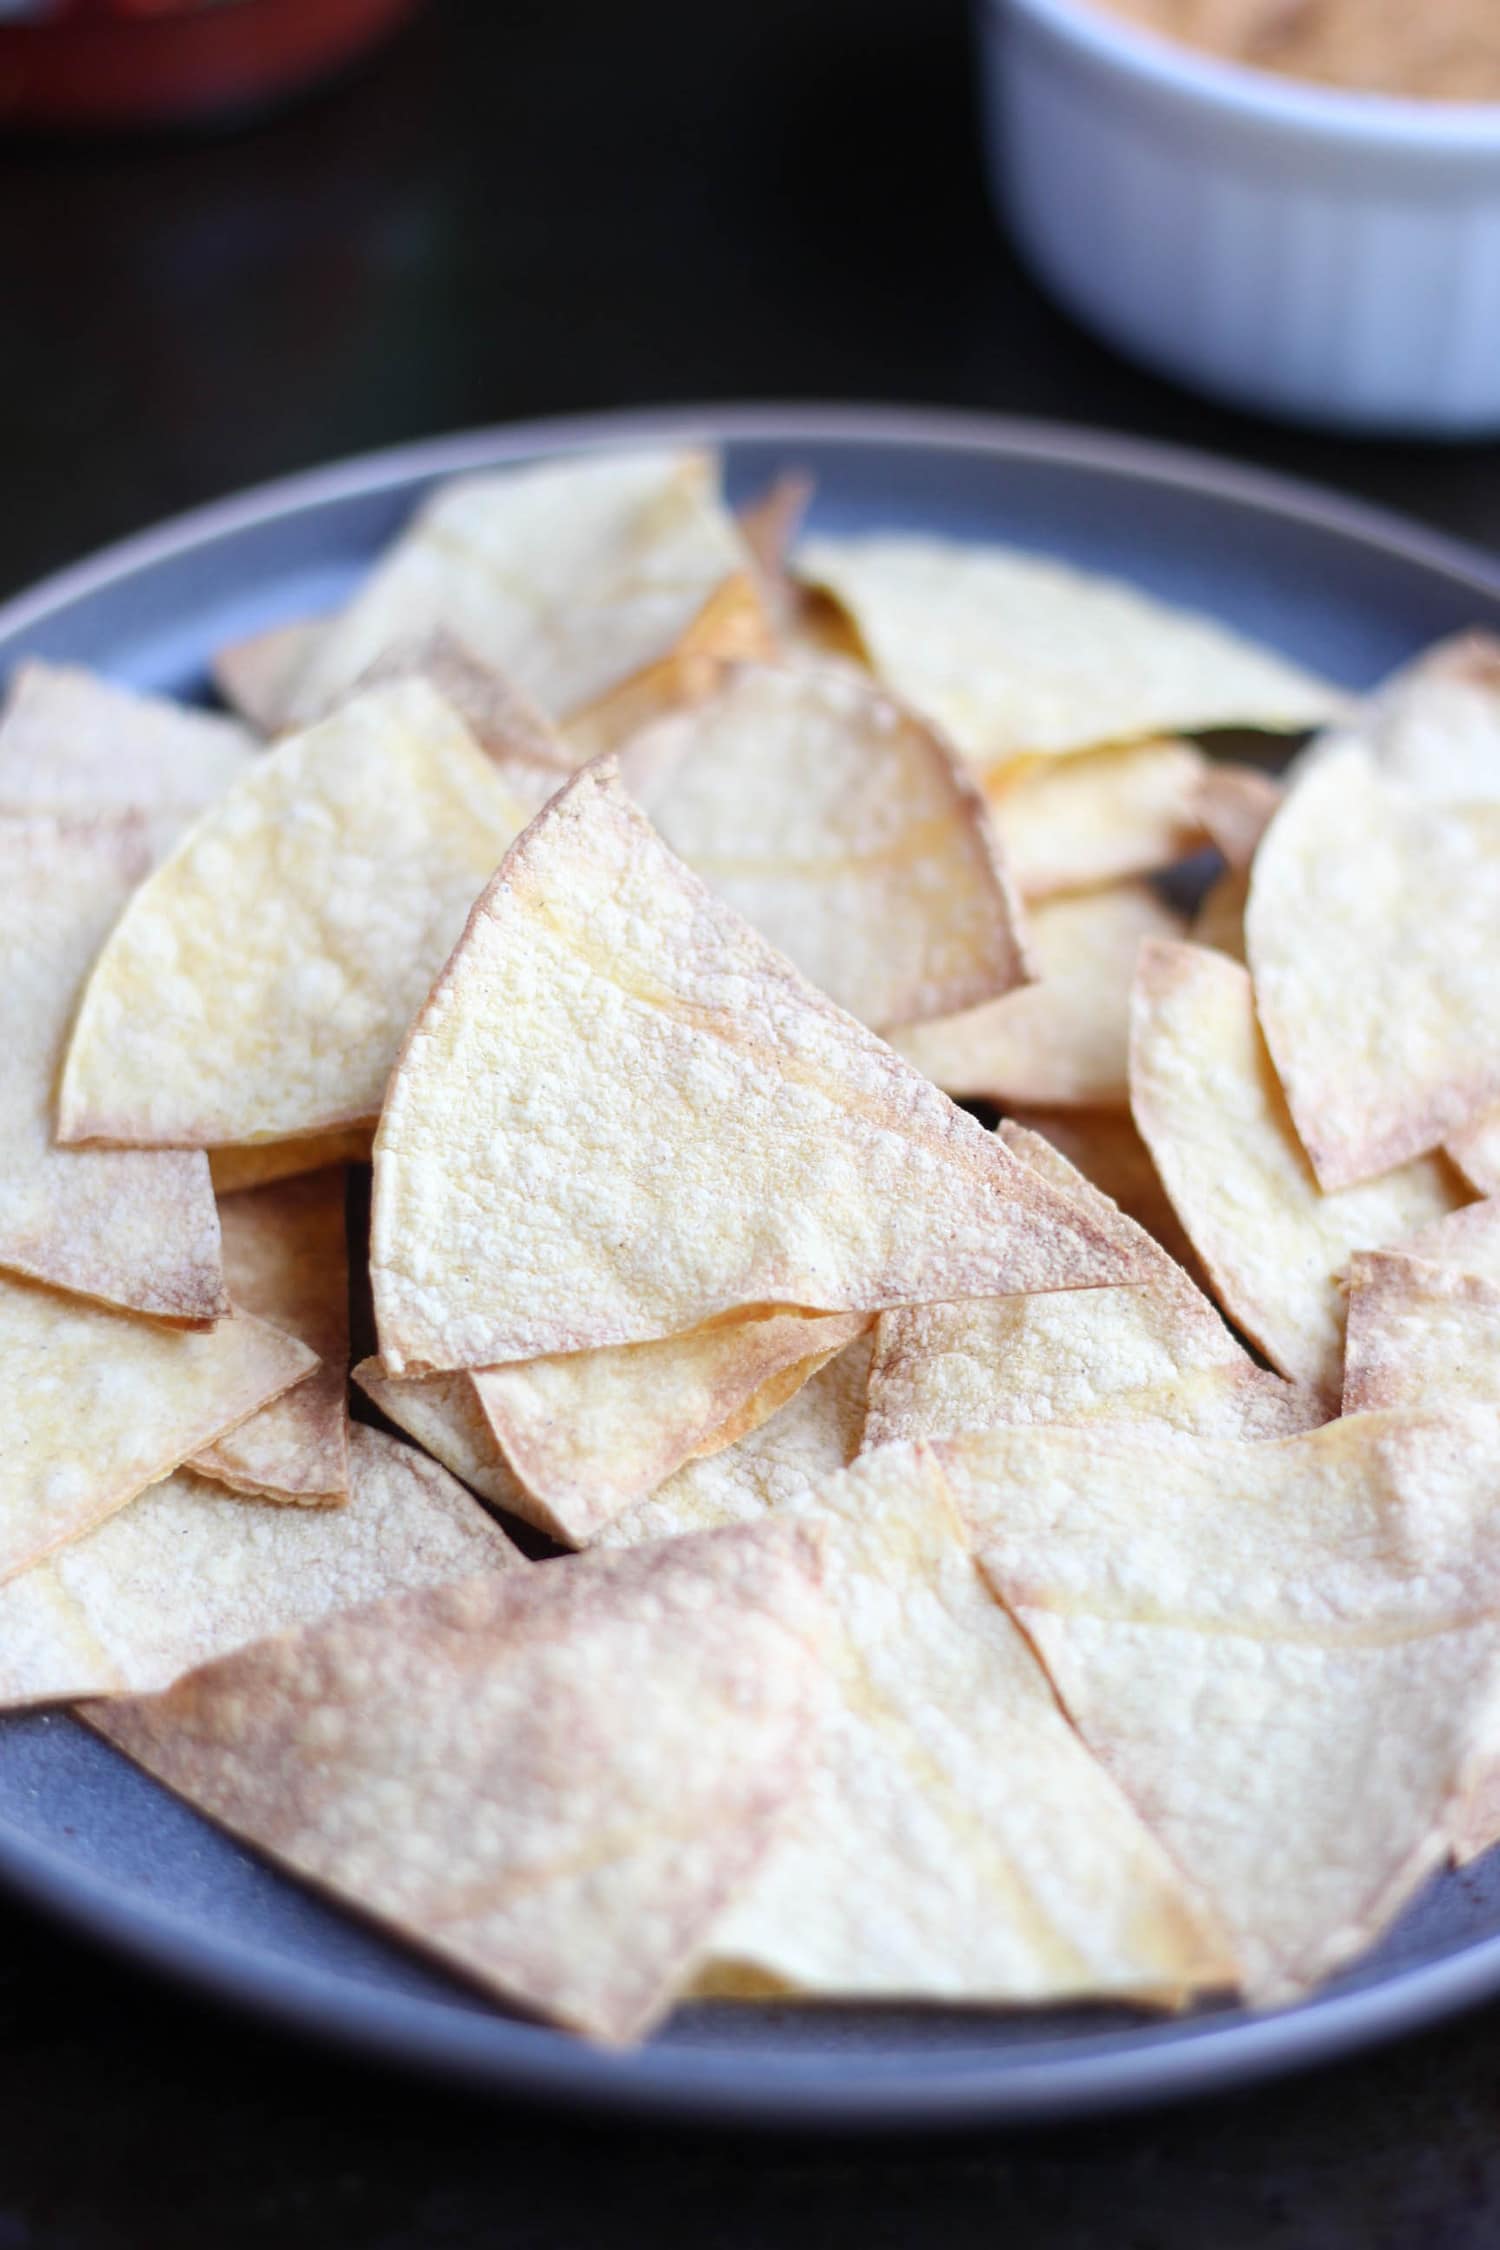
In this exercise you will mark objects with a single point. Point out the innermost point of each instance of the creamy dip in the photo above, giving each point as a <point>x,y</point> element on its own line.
<point>1434,50</point>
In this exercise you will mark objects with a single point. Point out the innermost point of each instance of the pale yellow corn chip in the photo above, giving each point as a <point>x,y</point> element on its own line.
<point>1419,1335</point>
<point>1105,1147</point>
<point>76,744</point>
<point>250,1164</point>
<point>1094,816</point>
<point>1434,726</point>
<point>257,675</point>
<point>1220,919</point>
<point>1236,804</point>
<point>443,1413</point>
<point>1467,1241</point>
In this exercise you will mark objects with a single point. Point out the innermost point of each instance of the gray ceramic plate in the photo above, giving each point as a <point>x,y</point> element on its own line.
<point>84,1835</point>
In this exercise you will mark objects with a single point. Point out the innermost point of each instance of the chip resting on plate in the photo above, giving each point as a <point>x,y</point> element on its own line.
<point>844,830</point>
<point>622,1115</point>
<point>259,984</point>
<point>187,1572</point>
<point>1211,1112</point>
<point>1434,726</point>
<point>1286,1655</point>
<point>74,743</point>
<point>554,1779</point>
<point>134,1228</point>
<point>1095,816</point>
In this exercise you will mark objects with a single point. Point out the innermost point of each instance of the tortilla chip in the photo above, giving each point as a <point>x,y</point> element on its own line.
<point>1106,1148</point>
<point>1220,919</point>
<point>957,1842</point>
<point>287,1261</point>
<point>443,1413</point>
<point>1466,1241</point>
<point>132,1228</point>
<point>1236,804</point>
<point>1096,815</point>
<point>622,1115</point>
<point>1210,1110</point>
<point>1373,926</point>
<point>1157,1354</point>
<point>99,1405</point>
<point>1419,1335</point>
<point>730,629</point>
<point>1475,1149</point>
<point>1433,727</point>
<point>187,1573</point>
<point>1011,653</point>
<point>256,1163</point>
<point>76,745</point>
<point>769,526</point>
<point>258,675</point>
<point>1283,1653</point>
<point>507,725</point>
<point>844,831</point>
<point>569,578</point>
<point>553,1779</point>
<point>1065,1039</point>
<point>591,1433</point>
<point>259,985</point>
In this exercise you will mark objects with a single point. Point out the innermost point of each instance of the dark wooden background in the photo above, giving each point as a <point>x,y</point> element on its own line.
<point>526,207</point>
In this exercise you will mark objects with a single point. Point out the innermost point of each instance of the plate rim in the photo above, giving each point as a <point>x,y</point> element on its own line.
<point>1114,2073</point>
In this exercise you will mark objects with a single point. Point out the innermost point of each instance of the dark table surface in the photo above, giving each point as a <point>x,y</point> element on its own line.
<point>528,207</point>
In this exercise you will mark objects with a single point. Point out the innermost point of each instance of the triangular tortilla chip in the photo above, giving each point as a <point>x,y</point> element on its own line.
<point>769,525</point>
<point>504,722</point>
<point>1220,919</point>
<point>258,675</point>
<point>256,1163</point>
<point>187,1573</point>
<point>1211,1112</point>
<point>259,984</point>
<point>621,1115</point>
<point>1285,1654</point>
<point>1011,652</point>
<point>99,1405</point>
<point>730,629</point>
<point>591,1433</point>
<point>1157,1354</point>
<point>1096,815</point>
<point>1106,1148</point>
<point>286,1260</point>
<point>1236,804</point>
<point>72,743</point>
<point>1467,1241</point>
<point>443,1413</point>
<point>1419,1335</point>
<point>844,831</point>
<point>1065,1039</point>
<point>957,1842</point>
<point>1434,726</point>
<point>569,578</point>
<point>1475,1149</point>
<point>1373,928</point>
<point>134,1228</point>
<point>553,1779</point>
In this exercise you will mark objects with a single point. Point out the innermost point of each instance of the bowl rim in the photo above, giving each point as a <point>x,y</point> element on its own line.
<point>1262,97</point>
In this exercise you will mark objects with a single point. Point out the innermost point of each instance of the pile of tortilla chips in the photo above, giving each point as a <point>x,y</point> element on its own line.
<point>1041,1555</point>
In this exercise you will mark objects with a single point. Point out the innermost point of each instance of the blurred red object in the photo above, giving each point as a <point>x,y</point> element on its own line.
<point>142,62</point>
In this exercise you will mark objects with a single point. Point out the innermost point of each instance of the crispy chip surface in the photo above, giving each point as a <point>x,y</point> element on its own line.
<point>845,831</point>
<point>443,1413</point>
<point>1094,816</point>
<point>552,1778</point>
<point>1012,653</point>
<point>1434,726</point>
<point>1208,1105</point>
<point>622,1115</point>
<point>1419,1335</point>
<point>1106,1148</point>
<point>187,1573</point>
<point>75,744</point>
<point>1065,1039</point>
<point>259,984</point>
<point>134,1228</point>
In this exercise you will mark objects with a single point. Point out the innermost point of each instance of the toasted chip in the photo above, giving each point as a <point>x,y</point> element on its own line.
<point>1106,1148</point>
<point>77,745</point>
<point>187,1573</point>
<point>1434,726</point>
<point>553,1779</point>
<point>258,675</point>
<point>1064,1039</point>
<point>256,1163</point>
<point>769,526</point>
<point>843,829</point>
<point>622,1115</point>
<point>1156,1354</point>
<point>957,1841</point>
<point>1236,804</point>
<point>287,1262</point>
<point>1419,1335</point>
<point>503,721</point>
<point>569,578</point>
<point>1475,1149</point>
<point>1012,653</point>
<point>1283,1653</point>
<point>259,984</point>
<point>443,1413</point>
<point>590,1433</point>
<point>731,629</point>
<point>1096,815</point>
<point>1220,919</point>
<point>1209,1107</point>
<point>1467,1241</point>
<point>99,1405</point>
<point>1373,925</point>
<point>134,1228</point>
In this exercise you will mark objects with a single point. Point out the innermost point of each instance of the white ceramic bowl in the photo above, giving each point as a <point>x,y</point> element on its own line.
<point>1327,256</point>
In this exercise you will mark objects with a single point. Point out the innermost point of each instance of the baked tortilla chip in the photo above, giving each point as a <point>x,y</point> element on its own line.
<point>957,1842</point>
<point>622,1115</point>
<point>1096,815</point>
<point>1011,653</point>
<point>99,1405</point>
<point>553,1779</point>
<point>1157,1355</point>
<point>443,1413</point>
<point>1236,805</point>
<point>76,745</point>
<point>1475,1149</point>
<point>591,1433</point>
<point>259,984</point>
<point>287,1261</point>
<point>1419,1335</point>
<point>569,579</point>
<point>1210,1110</point>
<point>256,1163</point>
<point>1373,927</point>
<point>258,675</point>
<point>1434,726</point>
<point>187,1573</point>
<point>505,723</point>
<point>1285,1654</point>
<point>1105,1147</point>
<point>134,1228</point>
<point>1064,1040</point>
<point>844,831</point>
<point>1466,1241</point>
<point>1220,919</point>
